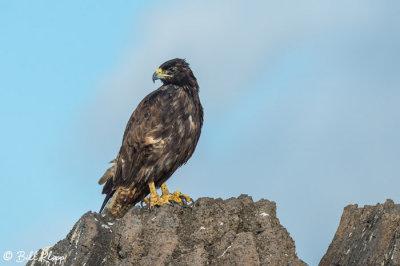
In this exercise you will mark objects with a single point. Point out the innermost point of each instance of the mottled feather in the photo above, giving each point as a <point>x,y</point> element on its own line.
<point>160,136</point>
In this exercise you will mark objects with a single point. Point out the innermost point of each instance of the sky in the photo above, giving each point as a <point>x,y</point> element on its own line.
<point>301,105</point>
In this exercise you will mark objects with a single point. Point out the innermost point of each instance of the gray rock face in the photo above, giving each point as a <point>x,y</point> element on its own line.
<point>366,236</point>
<point>235,231</point>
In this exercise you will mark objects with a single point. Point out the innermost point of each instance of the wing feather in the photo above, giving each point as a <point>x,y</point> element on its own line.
<point>148,131</point>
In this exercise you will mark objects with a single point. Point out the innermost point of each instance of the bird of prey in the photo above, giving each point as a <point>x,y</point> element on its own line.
<point>161,135</point>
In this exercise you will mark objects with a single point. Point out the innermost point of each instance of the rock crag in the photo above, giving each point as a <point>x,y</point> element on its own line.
<point>366,236</point>
<point>236,231</point>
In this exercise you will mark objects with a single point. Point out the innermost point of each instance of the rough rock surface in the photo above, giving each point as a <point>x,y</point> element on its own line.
<point>366,236</point>
<point>235,231</point>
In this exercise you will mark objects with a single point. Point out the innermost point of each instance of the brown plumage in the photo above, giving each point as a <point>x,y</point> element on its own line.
<point>161,135</point>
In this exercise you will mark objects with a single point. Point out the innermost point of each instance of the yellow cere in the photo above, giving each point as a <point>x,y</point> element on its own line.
<point>159,70</point>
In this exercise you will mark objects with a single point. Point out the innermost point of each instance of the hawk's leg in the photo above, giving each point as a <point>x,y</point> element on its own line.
<point>177,196</point>
<point>166,198</point>
<point>154,199</point>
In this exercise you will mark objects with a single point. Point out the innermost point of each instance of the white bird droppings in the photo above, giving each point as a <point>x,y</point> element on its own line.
<point>225,251</point>
<point>105,226</point>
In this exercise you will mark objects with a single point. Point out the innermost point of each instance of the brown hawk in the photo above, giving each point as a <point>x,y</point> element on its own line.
<point>161,135</point>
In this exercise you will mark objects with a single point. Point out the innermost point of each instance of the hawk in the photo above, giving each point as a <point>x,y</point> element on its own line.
<point>161,135</point>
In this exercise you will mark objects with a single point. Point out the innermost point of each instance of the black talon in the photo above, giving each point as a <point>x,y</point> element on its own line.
<point>187,204</point>
<point>184,202</point>
<point>191,203</point>
<point>151,208</point>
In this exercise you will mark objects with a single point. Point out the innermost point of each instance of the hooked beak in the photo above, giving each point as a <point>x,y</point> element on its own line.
<point>156,76</point>
<point>159,75</point>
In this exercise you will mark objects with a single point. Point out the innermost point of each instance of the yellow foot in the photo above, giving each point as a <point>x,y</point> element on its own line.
<point>178,197</point>
<point>155,200</point>
<point>166,197</point>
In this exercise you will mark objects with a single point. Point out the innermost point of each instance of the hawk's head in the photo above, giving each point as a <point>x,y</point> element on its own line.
<point>175,71</point>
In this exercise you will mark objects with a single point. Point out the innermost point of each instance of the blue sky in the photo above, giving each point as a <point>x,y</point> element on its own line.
<point>300,99</point>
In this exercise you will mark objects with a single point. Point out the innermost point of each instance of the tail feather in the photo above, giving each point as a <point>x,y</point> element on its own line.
<point>108,180</point>
<point>109,173</point>
<point>108,197</point>
<point>120,201</point>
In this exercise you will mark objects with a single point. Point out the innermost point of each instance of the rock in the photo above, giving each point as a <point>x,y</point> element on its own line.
<point>366,236</point>
<point>236,231</point>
